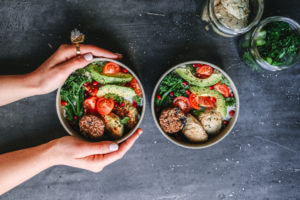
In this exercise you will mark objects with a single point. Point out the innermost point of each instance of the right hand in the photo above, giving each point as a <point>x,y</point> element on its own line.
<point>75,152</point>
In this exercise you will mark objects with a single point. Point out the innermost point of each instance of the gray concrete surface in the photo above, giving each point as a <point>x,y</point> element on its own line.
<point>258,160</point>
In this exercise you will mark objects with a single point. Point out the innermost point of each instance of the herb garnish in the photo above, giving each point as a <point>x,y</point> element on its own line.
<point>124,120</point>
<point>278,44</point>
<point>198,112</point>
<point>115,97</point>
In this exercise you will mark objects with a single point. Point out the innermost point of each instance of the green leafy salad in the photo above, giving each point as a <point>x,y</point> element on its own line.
<point>102,100</point>
<point>194,102</point>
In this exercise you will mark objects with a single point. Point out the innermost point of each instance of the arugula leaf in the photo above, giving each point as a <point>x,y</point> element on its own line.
<point>198,112</point>
<point>137,99</point>
<point>73,93</point>
<point>230,101</point>
<point>172,82</point>
<point>124,120</point>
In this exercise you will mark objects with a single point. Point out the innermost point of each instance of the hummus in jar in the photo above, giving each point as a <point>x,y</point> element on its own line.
<point>232,13</point>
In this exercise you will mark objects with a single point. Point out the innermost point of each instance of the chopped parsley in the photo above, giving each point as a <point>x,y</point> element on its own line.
<point>115,97</point>
<point>230,101</point>
<point>198,112</point>
<point>124,120</point>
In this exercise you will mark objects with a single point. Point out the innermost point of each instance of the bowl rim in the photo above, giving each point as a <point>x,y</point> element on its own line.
<point>232,121</point>
<point>120,140</point>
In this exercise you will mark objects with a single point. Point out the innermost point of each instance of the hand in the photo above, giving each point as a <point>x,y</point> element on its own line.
<point>56,69</point>
<point>94,157</point>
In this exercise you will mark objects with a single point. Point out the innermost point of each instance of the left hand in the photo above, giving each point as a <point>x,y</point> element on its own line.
<point>56,69</point>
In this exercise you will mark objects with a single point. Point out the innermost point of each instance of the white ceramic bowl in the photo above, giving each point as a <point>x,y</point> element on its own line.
<point>212,141</point>
<point>69,129</point>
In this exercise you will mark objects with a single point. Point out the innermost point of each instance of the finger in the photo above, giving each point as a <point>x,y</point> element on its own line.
<point>123,148</point>
<point>66,52</point>
<point>75,63</point>
<point>104,147</point>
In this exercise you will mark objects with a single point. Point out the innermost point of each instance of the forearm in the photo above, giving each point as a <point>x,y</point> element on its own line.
<point>15,87</point>
<point>18,166</point>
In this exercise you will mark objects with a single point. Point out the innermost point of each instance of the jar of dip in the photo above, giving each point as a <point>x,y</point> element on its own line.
<point>273,45</point>
<point>231,18</point>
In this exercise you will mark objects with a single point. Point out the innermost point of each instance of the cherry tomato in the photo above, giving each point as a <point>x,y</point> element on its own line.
<point>136,87</point>
<point>122,104</point>
<point>63,103</point>
<point>91,89</point>
<point>111,68</point>
<point>158,97</point>
<point>172,94</point>
<point>203,101</point>
<point>124,70</point>
<point>231,113</point>
<point>213,99</point>
<point>104,106</point>
<point>134,104</point>
<point>188,92</point>
<point>204,71</point>
<point>182,103</point>
<point>185,83</point>
<point>90,104</point>
<point>211,87</point>
<point>197,65</point>
<point>222,88</point>
<point>95,83</point>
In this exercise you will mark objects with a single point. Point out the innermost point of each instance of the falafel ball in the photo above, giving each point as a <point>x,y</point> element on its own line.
<point>172,120</point>
<point>91,126</point>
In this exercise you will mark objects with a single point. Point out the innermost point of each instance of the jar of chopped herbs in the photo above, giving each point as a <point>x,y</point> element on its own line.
<point>274,45</point>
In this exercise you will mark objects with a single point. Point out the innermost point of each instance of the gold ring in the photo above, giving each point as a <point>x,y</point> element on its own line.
<point>77,48</point>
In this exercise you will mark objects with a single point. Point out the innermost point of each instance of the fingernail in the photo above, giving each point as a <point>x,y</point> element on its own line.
<point>113,147</point>
<point>119,55</point>
<point>88,57</point>
<point>140,131</point>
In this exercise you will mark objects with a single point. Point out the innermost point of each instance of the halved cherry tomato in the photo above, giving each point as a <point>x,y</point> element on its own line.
<point>63,103</point>
<point>197,101</point>
<point>183,103</point>
<point>204,71</point>
<point>111,68</point>
<point>206,102</point>
<point>91,89</point>
<point>136,87</point>
<point>104,106</point>
<point>194,101</point>
<point>90,104</point>
<point>223,89</point>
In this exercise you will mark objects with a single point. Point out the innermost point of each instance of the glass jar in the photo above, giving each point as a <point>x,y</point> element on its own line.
<point>209,15</point>
<point>248,46</point>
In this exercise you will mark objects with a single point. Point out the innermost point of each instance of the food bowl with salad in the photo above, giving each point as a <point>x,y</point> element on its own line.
<point>102,101</point>
<point>195,104</point>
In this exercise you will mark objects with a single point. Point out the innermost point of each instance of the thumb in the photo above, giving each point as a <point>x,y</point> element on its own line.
<point>76,63</point>
<point>95,148</point>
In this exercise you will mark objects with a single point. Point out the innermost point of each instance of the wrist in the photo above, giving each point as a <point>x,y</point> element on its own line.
<point>31,82</point>
<point>50,154</point>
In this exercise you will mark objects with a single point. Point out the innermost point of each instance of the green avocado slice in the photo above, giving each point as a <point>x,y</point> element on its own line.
<point>116,89</point>
<point>187,75</point>
<point>104,79</point>
<point>220,100</point>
